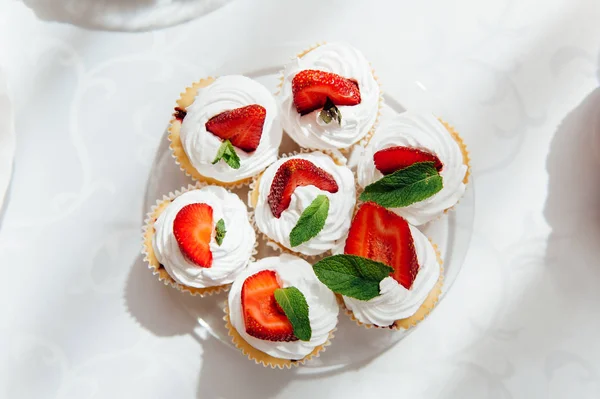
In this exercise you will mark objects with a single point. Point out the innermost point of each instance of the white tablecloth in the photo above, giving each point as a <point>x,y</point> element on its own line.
<point>82,318</point>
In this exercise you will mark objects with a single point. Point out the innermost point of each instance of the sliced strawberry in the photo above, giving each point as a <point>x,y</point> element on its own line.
<point>192,228</point>
<point>311,89</point>
<point>391,159</point>
<point>296,173</point>
<point>242,126</point>
<point>263,316</point>
<point>381,235</point>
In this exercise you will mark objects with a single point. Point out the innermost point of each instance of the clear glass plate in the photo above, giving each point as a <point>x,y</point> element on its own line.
<point>352,345</point>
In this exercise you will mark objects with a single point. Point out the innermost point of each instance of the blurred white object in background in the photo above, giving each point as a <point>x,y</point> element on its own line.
<point>122,15</point>
<point>7,137</point>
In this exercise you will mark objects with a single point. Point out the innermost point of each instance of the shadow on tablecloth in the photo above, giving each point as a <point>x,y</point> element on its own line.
<point>229,374</point>
<point>153,305</point>
<point>225,373</point>
<point>549,318</point>
<point>572,260</point>
<point>573,204</point>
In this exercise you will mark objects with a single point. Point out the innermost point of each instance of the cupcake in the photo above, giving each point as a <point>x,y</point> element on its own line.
<point>198,240</point>
<point>225,130</point>
<point>413,150</point>
<point>279,314</point>
<point>304,203</point>
<point>389,275</point>
<point>329,97</point>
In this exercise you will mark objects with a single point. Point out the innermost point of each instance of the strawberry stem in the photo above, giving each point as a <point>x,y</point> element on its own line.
<point>330,112</point>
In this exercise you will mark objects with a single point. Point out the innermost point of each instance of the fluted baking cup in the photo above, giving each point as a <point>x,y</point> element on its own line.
<point>425,308</point>
<point>266,360</point>
<point>185,100</point>
<point>363,141</point>
<point>253,195</point>
<point>148,250</point>
<point>466,160</point>
<point>463,148</point>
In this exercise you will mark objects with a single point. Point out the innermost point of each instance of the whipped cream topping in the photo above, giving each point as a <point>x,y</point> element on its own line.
<point>395,301</point>
<point>424,132</point>
<point>201,146</point>
<point>322,306</point>
<point>229,259</point>
<point>341,205</point>
<point>309,130</point>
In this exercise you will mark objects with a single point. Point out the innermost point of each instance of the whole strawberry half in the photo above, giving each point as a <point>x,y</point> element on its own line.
<point>242,126</point>
<point>192,228</point>
<point>296,173</point>
<point>389,160</point>
<point>311,88</point>
<point>381,235</point>
<point>263,316</point>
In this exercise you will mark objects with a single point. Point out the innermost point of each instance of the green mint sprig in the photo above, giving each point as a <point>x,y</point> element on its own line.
<point>414,183</point>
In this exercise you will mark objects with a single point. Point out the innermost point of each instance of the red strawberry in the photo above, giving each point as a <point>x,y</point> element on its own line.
<point>381,235</point>
<point>192,228</point>
<point>242,126</point>
<point>297,173</point>
<point>311,89</point>
<point>391,159</point>
<point>263,316</point>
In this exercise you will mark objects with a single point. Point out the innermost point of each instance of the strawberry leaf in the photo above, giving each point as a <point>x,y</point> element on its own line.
<point>221,231</point>
<point>227,153</point>
<point>311,221</point>
<point>330,112</point>
<point>406,186</point>
<point>294,305</point>
<point>352,276</point>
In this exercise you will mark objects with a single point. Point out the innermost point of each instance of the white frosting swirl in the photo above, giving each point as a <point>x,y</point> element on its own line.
<point>338,219</point>
<point>322,306</point>
<point>308,130</point>
<point>424,132</point>
<point>229,259</point>
<point>395,301</point>
<point>201,146</point>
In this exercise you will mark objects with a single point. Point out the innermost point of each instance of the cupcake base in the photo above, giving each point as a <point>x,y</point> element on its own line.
<point>252,201</point>
<point>463,148</point>
<point>466,160</point>
<point>185,100</point>
<point>465,155</point>
<point>346,152</point>
<point>150,257</point>
<point>424,310</point>
<point>267,360</point>
<point>253,195</point>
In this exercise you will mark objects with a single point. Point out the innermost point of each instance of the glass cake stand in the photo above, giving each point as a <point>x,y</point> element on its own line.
<point>352,345</point>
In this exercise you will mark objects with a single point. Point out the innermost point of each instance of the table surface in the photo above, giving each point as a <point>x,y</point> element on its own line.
<point>83,318</point>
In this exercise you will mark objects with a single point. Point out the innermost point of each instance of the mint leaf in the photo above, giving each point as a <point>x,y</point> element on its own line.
<point>221,231</point>
<point>294,305</point>
<point>406,186</point>
<point>330,112</point>
<point>352,276</point>
<point>227,153</point>
<point>311,221</point>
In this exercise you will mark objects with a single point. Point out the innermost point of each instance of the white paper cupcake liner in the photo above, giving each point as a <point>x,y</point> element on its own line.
<point>186,98</point>
<point>267,360</point>
<point>364,140</point>
<point>148,250</point>
<point>424,310</point>
<point>268,240</point>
